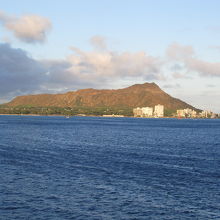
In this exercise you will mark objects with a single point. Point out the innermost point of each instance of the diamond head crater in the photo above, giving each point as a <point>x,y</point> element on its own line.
<point>96,102</point>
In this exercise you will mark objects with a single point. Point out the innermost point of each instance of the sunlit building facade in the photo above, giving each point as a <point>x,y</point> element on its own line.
<point>159,111</point>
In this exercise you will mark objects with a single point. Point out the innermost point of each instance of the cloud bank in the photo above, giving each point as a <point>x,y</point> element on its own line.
<point>27,28</point>
<point>95,69</point>
<point>99,68</point>
<point>187,57</point>
<point>19,73</point>
<point>113,65</point>
<point>22,74</point>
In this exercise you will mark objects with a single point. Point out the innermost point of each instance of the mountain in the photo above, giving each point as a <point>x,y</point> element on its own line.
<point>138,95</point>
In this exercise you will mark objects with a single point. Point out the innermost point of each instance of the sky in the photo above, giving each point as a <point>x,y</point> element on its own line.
<point>58,46</point>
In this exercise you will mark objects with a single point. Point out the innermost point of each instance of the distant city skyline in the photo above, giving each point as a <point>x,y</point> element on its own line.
<point>55,46</point>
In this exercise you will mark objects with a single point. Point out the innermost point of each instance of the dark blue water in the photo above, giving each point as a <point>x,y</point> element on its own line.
<point>109,168</point>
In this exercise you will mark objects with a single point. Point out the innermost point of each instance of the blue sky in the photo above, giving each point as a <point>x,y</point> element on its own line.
<point>121,31</point>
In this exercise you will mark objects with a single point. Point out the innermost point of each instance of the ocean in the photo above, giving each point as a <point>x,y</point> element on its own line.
<point>94,168</point>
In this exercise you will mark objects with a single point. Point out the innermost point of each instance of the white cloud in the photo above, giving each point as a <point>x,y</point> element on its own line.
<point>27,28</point>
<point>100,68</point>
<point>177,75</point>
<point>179,52</point>
<point>21,74</point>
<point>98,42</point>
<point>186,56</point>
<point>204,68</point>
<point>171,86</point>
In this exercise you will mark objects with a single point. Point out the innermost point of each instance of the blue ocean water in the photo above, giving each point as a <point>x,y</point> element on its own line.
<point>109,168</point>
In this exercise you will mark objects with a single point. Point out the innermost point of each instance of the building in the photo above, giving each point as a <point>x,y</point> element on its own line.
<point>143,112</point>
<point>193,114</point>
<point>137,112</point>
<point>186,113</point>
<point>205,114</point>
<point>158,111</point>
<point>180,113</point>
<point>147,111</point>
<point>213,115</point>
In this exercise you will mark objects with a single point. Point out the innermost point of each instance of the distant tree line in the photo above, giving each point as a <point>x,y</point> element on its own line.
<point>70,111</point>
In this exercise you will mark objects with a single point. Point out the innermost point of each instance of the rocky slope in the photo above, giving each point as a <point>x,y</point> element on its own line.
<point>138,95</point>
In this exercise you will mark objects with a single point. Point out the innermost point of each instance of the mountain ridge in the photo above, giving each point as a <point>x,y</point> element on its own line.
<point>137,95</point>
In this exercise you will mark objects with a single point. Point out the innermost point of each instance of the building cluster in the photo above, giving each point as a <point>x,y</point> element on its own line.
<point>186,113</point>
<point>158,112</point>
<point>190,113</point>
<point>149,112</point>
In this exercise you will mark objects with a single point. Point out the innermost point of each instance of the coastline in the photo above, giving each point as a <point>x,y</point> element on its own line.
<point>99,116</point>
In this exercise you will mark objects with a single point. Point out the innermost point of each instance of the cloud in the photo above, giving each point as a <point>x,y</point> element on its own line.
<point>19,73</point>
<point>100,68</point>
<point>6,40</point>
<point>179,52</point>
<point>208,100</point>
<point>22,74</point>
<point>177,75</point>
<point>27,28</point>
<point>172,86</point>
<point>215,47</point>
<point>204,68</point>
<point>211,86</point>
<point>176,67</point>
<point>98,42</point>
<point>187,57</point>
<point>179,71</point>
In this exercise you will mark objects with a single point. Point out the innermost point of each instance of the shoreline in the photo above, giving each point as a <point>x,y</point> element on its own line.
<point>99,116</point>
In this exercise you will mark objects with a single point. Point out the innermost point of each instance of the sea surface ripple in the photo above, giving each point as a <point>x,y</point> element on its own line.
<point>109,168</point>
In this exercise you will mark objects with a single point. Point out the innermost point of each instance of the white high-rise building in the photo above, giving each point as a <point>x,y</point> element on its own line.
<point>143,112</point>
<point>137,112</point>
<point>147,111</point>
<point>159,111</point>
